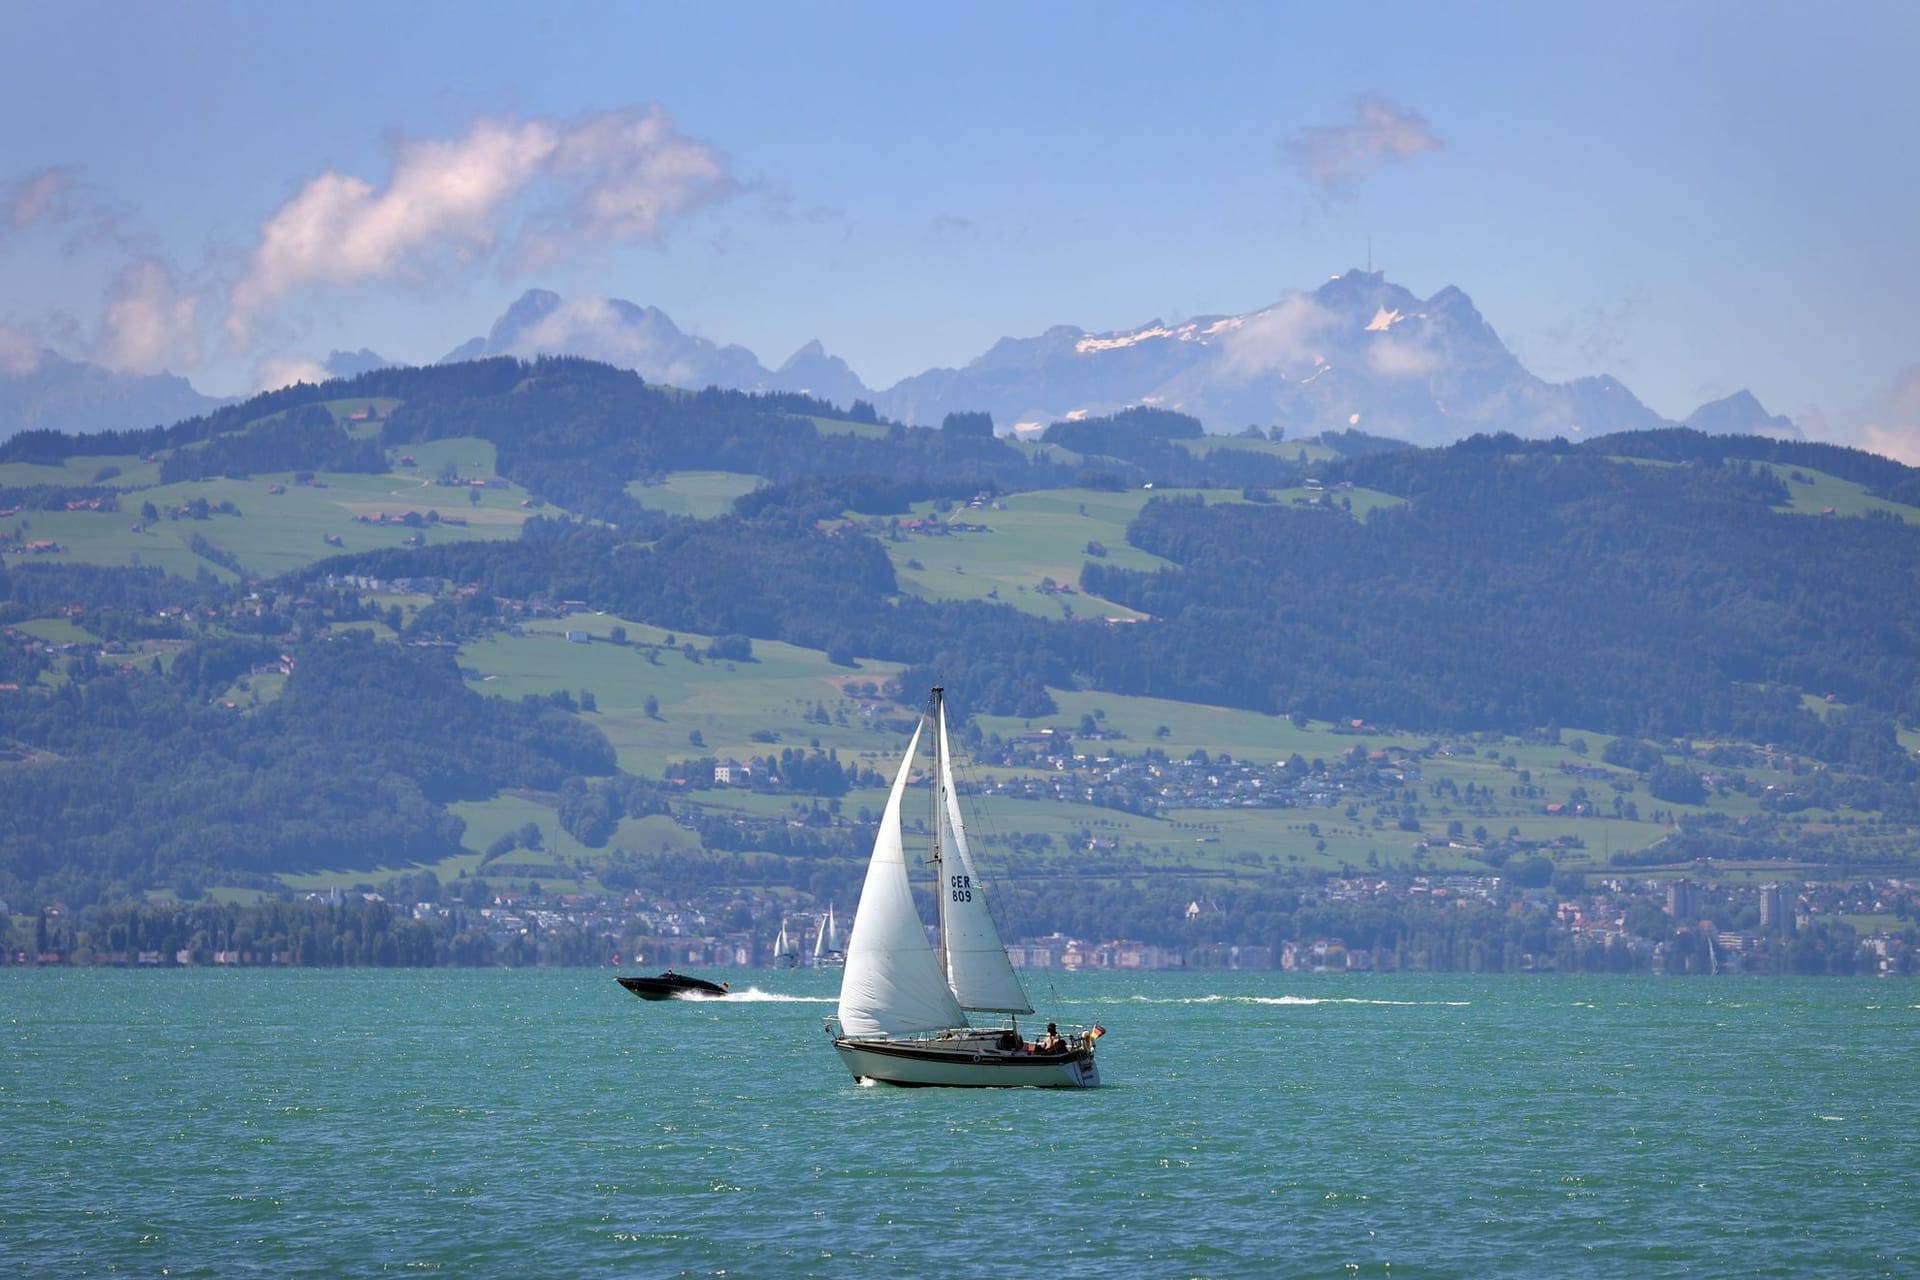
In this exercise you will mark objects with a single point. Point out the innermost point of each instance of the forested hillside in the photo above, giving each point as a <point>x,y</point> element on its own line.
<point>1526,589</point>
<point>148,783</point>
<point>1667,592</point>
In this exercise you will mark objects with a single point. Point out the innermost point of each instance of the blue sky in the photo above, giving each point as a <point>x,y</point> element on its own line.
<point>1695,197</point>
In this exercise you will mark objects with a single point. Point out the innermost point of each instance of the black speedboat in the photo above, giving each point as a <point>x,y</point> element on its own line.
<point>673,986</point>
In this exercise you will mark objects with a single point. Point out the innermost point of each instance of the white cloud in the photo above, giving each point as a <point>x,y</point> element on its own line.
<point>1336,157</point>
<point>615,177</point>
<point>275,372</point>
<point>594,328</point>
<point>1901,443</point>
<point>1893,428</point>
<point>1285,339</point>
<point>149,324</point>
<point>630,171</point>
<point>1399,358</point>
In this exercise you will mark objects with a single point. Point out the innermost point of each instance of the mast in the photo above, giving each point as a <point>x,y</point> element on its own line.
<point>938,700</point>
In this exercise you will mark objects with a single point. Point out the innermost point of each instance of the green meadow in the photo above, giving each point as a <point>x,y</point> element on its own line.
<point>791,697</point>
<point>1287,450</point>
<point>1037,539</point>
<point>118,471</point>
<point>843,427</point>
<point>1032,538</point>
<point>1817,493</point>
<point>700,494</point>
<point>275,533</point>
<point>54,631</point>
<point>725,703</point>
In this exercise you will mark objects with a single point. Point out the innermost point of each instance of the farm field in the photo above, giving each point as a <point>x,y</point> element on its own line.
<point>1038,542</point>
<point>724,702</point>
<point>782,695</point>
<point>275,533</point>
<point>700,494</point>
<point>1289,450</point>
<point>1816,493</point>
<point>1035,539</point>
<point>114,471</point>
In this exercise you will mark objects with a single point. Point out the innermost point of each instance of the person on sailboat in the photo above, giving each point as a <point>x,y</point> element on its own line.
<point>1052,1043</point>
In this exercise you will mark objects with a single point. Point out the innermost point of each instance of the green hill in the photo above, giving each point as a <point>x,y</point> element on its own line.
<point>569,596</point>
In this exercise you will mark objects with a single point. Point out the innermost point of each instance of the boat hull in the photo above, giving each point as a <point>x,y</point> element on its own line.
<point>673,987</point>
<point>969,1062</point>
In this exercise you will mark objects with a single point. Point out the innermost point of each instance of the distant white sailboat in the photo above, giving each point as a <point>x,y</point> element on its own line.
<point>785,954</point>
<point>827,952</point>
<point>903,1007</point>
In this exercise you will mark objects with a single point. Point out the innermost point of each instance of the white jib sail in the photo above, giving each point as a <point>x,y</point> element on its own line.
<point>977,965</point>
<point>892,985</point>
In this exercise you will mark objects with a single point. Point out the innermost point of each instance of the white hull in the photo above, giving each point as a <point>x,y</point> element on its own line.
<point>965,1061</point>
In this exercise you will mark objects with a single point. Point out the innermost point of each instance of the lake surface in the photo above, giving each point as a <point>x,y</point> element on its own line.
<point>475,1123</point>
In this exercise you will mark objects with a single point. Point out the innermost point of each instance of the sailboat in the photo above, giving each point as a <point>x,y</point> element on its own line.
<point>785,954</point>
<point>826,944</point>
<point>903,1006</point>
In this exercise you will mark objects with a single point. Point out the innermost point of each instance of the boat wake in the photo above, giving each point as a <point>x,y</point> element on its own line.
<point>1302,1000</point>
<point>755,994</point>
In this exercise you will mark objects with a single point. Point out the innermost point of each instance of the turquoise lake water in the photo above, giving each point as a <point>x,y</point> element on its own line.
<point>546,1123</point>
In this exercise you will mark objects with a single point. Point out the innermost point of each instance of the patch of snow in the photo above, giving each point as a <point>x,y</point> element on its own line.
<point>1384,320</point>
<point>1086,345</point>
<point>1075,415</point>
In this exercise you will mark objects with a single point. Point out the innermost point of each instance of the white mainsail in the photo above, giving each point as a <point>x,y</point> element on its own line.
<point>892,985</point>
<point>978,970</point>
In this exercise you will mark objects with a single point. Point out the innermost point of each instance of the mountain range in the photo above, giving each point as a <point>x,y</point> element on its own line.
<point>1358,352</point>
<point>53,393</point>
